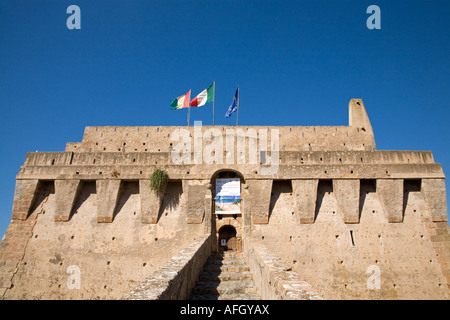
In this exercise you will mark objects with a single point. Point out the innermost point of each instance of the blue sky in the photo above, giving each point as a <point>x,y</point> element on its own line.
<point>296,62</point>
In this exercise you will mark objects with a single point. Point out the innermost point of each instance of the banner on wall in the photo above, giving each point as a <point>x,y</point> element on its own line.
<point>228,196</point>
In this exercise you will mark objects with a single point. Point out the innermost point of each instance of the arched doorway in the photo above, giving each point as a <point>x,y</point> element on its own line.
<point>227,217</point>
<point>228,239</point>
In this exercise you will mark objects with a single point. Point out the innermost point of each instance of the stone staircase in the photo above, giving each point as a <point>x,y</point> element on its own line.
<point>225,276</point>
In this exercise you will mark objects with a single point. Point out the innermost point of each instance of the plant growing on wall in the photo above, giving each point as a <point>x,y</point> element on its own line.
<point>158,180</point>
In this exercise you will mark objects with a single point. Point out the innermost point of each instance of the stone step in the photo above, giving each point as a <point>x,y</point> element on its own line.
<point>225,287</point>
<point>226,261</point>
<point>225,267</point>
<point>225,276</point>
<point>247,296</point>
<point>227,255</point>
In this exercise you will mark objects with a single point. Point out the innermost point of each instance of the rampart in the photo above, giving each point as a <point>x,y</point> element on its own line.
<point>275,281</point>
<point>334,208</point>
<point>175,279</point>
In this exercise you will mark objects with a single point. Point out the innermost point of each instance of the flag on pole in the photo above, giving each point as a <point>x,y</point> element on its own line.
<point>234,106</point>
<point>204,97</point>
<point>181,102</point>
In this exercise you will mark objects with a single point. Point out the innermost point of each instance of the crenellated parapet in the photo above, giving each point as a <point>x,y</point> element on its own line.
<point>304,156</point>
<point>303,188</point>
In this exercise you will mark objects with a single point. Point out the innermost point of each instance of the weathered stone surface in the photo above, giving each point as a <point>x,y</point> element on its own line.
<point>436,198</point>
<point>305,196</point>
<point>175,279</point>
<point>65,196</point>
<point>347,195</point>
<point>150,202</point>
<point>23,198</point>
<point>327,211</point>
<point>259,191</point>
<point>391,195</point>
<point>108,193</point>
<point>195,191</point>
<point>273,279</point>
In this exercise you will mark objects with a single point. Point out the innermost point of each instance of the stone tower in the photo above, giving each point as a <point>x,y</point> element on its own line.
<point>341,217</point>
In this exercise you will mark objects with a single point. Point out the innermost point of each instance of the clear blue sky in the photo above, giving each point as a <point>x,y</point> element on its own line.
<point>297,63</point>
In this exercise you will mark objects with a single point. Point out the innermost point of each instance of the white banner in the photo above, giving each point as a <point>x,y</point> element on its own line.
<point>228,196</point>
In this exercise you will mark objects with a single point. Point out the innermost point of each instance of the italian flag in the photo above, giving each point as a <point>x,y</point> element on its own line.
<point>181,102</point>
<point>204,97</point>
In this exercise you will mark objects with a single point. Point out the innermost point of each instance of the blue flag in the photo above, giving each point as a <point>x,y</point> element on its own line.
<point>234,106</point>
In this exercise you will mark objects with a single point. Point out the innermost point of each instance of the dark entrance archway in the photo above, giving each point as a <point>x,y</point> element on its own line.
<point>228,239</point>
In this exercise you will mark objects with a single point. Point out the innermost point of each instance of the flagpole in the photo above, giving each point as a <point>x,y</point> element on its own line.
<point>189,116</point>
<point>189,111</point>
<point>237,117</point>
<point>214,99</point>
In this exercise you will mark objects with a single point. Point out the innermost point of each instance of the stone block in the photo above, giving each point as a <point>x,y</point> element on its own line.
<point>24,195</point>
<point>107,196</point>
<point>305,192</point>
<point>195,191</point>
<point>347,195</point>
<point>390,192</point>
<point>259,191</point>
<point>65,195</point>
<point>150,202</point>
<point>435,196</point>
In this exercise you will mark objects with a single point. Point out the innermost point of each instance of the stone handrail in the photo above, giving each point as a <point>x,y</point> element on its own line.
<point>175,279</point>
<point>273,279</point>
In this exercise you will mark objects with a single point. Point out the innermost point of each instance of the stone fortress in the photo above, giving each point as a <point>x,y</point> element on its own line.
<point>337,219</point>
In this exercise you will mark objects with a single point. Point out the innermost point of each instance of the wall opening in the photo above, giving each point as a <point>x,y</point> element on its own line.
<point>279,187</point>
<point>85,190</point>
<point>410,186</point>
<point>227,239</point>
<point>352,238</point>
<point>225,213</point>
<point>127,189</point>
<point>43,191</point>
<point>366,186</point>
<point>325,186</point>
<point>172,196</point>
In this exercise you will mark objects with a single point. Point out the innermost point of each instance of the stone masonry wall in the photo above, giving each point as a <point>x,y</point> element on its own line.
<point>409,258</point>
<point>175,279</point>
<point>352,221</point>
<point>40,256</point>
<point>274,280</point>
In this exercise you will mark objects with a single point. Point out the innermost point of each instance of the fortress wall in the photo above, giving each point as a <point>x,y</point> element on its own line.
<point>274,280</point>
<point>162,139</point>
<point>176,278</point>
<point>341,260</point>
<point>43,254</point>
<point>50,159</point>
<point>357,136</point>
<point>335,210</point>
<point>304,165</point>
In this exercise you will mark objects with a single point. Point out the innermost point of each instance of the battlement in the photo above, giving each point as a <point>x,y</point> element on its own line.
<point>92,204</point>
<point>357,136</point>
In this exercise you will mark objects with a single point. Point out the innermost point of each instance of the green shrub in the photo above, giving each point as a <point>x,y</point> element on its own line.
<point>158,180</point>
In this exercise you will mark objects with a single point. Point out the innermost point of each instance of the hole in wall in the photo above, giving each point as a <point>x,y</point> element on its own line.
<point>366,186</point>
<point>352,238</point>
